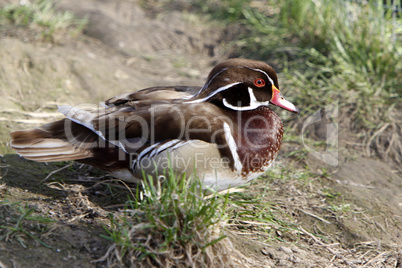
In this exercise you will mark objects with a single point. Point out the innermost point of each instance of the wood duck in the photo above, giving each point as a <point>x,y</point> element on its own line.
<point>225,131</point>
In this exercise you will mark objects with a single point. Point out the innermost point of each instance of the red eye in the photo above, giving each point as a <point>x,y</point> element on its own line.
<point>259,82</point>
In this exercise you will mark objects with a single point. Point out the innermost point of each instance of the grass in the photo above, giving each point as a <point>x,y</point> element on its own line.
<point>350,56</point>
<point>170,223</point>
<point>20,222</point>
<point>329,52</point>
<point>252,211</point>
<point>43,15</point>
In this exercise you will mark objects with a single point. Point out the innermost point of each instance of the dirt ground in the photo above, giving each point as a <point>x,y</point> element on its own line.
<point>344,216</point>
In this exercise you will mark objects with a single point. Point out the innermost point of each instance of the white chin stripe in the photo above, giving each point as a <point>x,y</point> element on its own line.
<point>254,104</point>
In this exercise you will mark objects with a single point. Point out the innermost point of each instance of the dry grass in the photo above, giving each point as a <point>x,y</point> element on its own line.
<point>220,254</point>
<point>170,224</point>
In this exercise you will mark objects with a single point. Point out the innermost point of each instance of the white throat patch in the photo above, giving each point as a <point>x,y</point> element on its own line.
<point>254,103</point>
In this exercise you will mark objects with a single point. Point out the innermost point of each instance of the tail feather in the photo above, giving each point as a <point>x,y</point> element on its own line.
<point>49,143</point>
<point>43,143</point>
<point>33,134</point>
<point>46,158</point>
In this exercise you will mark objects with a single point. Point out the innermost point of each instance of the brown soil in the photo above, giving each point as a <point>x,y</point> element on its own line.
<point>344,216</point>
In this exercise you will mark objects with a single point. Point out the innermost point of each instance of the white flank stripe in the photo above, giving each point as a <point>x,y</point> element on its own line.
<point>163,147</point>
<point>144,152</point>
<point>179,144</point>
<point>152,153</point>
<point>232,146</point>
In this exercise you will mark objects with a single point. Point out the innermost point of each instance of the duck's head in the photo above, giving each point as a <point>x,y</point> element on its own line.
<point>243,84</point>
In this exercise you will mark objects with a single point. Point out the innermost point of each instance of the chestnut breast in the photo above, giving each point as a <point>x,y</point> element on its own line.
<point>258,138</point>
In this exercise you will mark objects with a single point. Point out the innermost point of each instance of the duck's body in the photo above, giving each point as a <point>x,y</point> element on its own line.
<point>225,132</point>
